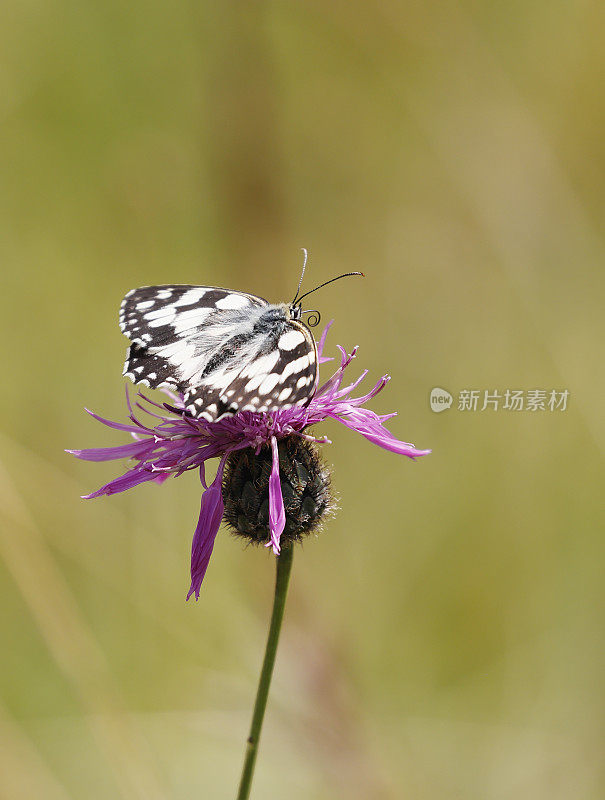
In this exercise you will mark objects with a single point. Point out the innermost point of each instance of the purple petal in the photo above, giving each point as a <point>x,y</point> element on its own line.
<point>109,453</point>
<point>131,478</point>
<point>378,435</point>
<point>211,514</point>
<point>119,426</point>
<point>277,512</point>
<point>350,388</point>
<point>322,341</point>
<point>333,384</point>
<point>359,401</point>
<point>395,446</point>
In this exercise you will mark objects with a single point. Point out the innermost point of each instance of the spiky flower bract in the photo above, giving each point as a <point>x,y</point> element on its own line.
<point>169,441</point>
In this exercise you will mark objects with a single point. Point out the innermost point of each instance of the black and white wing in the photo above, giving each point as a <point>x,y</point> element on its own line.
<point>160,315</point>
<point>275,368</point>
<point>224,351</point>
<point>174,330</point>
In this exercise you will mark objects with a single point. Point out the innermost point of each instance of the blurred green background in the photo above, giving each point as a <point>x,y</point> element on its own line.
<point>444,635</point>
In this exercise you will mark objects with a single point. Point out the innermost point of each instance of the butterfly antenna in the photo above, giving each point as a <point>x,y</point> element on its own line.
<point>338,277</point>
<point>302,274</point>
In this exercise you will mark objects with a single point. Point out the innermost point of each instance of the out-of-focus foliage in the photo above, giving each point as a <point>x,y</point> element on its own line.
<point>444,635</point>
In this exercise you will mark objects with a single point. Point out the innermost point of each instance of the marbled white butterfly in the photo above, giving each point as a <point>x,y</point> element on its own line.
<point>224,351</point>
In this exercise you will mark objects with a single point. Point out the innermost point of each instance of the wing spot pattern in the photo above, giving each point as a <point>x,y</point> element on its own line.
<point>253,383</point>
<point>232,301</point>
<point>297,365</point>
<point>291,339</point>
<point>268,383</point>
<point>190,297</point>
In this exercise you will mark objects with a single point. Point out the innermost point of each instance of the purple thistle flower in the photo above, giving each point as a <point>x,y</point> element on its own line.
<point>173,442</point>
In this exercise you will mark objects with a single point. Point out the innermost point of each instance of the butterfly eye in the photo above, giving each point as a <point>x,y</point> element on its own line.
<point>313,319</point>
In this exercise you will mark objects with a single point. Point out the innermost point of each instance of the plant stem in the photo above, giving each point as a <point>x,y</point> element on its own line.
<point>282,577</point>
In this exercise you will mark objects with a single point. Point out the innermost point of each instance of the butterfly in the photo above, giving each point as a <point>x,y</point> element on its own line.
<point>224,351</point>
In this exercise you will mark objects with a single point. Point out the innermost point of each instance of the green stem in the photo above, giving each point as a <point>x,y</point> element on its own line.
<point>282,576</point>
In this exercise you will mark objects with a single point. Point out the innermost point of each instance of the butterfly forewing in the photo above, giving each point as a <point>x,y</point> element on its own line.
<point>175,328</point>
<point>152,315</point>
<point>224,351</point>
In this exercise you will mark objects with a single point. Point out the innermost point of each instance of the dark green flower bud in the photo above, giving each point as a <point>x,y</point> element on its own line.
<point>305,485</point>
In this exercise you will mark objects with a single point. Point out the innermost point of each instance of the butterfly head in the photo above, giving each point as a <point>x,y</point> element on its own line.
<point>296,309</point>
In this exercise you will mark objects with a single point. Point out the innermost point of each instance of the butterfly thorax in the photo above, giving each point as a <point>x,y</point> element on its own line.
<point>281,311</point>
<point>274,313</point>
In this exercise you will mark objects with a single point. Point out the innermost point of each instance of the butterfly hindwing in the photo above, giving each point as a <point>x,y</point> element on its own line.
<point>224,351</point>
<point>279,371</point>
<point>149,369</point>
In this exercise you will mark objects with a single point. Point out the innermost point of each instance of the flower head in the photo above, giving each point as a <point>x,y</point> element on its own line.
<point>304,483</point>
<point>169,441</point>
